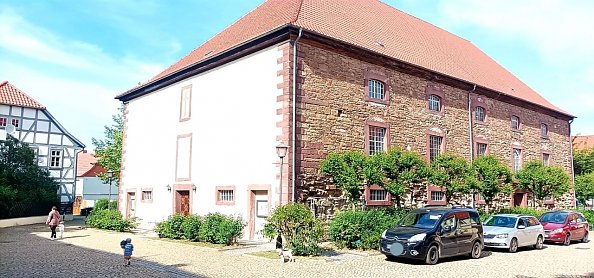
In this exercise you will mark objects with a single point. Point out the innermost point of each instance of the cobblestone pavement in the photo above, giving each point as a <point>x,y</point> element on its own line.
<point>26,252</point>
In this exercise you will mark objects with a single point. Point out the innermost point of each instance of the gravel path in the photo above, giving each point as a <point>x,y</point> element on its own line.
<point>26,252</point>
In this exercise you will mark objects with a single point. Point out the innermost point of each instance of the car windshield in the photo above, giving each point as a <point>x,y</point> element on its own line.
<point>420,220</point>
<point>501,221</point>
<point>554,217</point>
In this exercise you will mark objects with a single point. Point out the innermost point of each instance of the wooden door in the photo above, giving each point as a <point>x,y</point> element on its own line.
<point>519,199</point>
<point>183,202</point>
<point>76,205</point>
<point>131,205</point>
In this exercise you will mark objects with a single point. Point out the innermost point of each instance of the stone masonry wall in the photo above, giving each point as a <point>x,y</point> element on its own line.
<point>332,113</point>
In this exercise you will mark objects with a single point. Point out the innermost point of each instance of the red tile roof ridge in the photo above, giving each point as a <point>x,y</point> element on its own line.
<point>11,95</point>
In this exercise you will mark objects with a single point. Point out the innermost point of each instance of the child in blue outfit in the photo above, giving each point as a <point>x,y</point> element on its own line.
<point>128,248</point>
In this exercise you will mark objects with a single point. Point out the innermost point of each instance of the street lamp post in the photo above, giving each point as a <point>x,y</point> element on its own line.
<point>110,178</point>
<point>281,151</point>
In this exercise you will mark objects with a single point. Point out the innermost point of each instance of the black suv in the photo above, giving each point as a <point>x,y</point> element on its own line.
<point>431,233</point>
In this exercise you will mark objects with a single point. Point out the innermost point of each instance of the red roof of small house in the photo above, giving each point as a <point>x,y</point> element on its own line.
<point>583,142</point>
<point>86,165</point>
<point>376,27</point>
<point>11,95</point>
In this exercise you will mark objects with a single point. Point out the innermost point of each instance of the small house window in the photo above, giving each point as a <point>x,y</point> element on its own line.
<point>434,103</point>
<point>479,114</point>
<point>376,89</point>
<point>515,122</point>
<point>545,159</point>
<point>544,130</point>
<point>147,195</point>
<point>481,149</point>
<point>517,160</point>
<point>434,146</point>
<point>15,122</point>
<point>377,195</point>
<point>2,121</point>
<point>56,158</point>
<point>186,103</point>
<point>437,195</point>
<point>226,196</point>
<point>377,139</point>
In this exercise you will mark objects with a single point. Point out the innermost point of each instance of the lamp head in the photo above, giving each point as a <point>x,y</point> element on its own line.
<point>281,150</point>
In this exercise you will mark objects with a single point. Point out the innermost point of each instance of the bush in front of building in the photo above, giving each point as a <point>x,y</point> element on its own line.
<point>220,229</point>
<point>172,227</point>
<point>517,210</point>
<point>301,230</point>
<point>110,220</point>
<point>589,214</point>
<point>191,226</point>
<point>361,229</point>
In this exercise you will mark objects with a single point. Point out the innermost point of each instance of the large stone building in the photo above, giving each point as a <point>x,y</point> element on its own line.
<point>321,76</point>
<point>27,120</point>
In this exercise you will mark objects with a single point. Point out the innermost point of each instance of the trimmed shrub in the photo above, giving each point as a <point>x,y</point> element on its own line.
<point>220,229</point>
<point>100,204</point>
<point>172,227</point>
<point>110,220</point>
<point>191,226</point>
<point>301,229</point>
<point>362,229</point>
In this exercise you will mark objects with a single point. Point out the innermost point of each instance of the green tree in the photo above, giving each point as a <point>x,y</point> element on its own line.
<point>348,172</point>
<point>398,171</point>
<point>109,150</point>
<point>543,181</point>
<point>583,161</point>
<point>21,180</point>
<point>584,187</point>
<point>452,172</point>
<point>491,177</point>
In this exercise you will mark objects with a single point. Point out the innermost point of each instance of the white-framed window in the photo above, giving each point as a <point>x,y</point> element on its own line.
<point>545,159</point>
<point>378,194</point>
<point>3,121</point>
<point>479,114</point>
<point>377,139</point>
<point>226,196</point>
<point>147,195</point>
<point>515,122</point>
<point>376,89</point>
<point>434,146</point>
<point>437,196</point>
<point>481,149</point>
<point>55,158</point>
<point>434,103</point>
<point>544,130</point>
<point>517,160</point>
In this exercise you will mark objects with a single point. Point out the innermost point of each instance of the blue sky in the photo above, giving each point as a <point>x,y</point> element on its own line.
<point>75,56</point>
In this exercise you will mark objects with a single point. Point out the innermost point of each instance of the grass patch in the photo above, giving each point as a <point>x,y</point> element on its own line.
<point>195,243</point>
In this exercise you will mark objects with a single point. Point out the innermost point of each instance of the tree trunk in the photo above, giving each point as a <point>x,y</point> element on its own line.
<point>398,205</point>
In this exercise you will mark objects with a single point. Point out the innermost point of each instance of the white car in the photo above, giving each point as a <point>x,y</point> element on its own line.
<point>511,231</point>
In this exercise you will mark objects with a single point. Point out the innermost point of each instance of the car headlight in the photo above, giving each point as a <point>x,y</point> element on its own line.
<point>384,234</point>
<point>417,238</point>
<point>501,236</point>
<point>556,231</point>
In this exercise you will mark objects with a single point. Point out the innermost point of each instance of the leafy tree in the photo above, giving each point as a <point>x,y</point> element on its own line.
<point>452,172</point>
<point>399,170</point>
<point>584,187</point>
<point>491,177</point>
<point>348,172</point>
<point>109,150</point>
<point>543,181</point>
<point>583,161</point>
<point>21,179</point>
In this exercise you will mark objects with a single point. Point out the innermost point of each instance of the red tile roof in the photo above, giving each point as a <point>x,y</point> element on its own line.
<point>367,24</point>
<point>583,142</point>
<point>86,165</point>
<point>11,95</point>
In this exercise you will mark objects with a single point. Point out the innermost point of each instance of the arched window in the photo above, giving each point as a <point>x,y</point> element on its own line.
<point>544,130</point>
<point>376,89</point>
<point>479,114</point>
<point>515,122</point>
<point>434,103</point>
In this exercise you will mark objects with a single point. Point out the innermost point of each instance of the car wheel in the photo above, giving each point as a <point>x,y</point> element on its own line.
<point>567,240</point>
<point>585,238</point>
<point>432,255</point>
<point>539,243</point>
<point>476,251</point>
<point>513,245</point>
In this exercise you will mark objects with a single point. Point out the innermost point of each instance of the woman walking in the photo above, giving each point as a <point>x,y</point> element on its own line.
<point>53,219</point>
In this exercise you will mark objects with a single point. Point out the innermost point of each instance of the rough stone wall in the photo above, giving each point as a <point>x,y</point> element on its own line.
<point>332,112</point>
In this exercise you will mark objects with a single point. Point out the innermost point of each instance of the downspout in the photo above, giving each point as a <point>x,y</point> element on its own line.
<point>470,141</point>
<point>572,170</point>
<point>294,128</point>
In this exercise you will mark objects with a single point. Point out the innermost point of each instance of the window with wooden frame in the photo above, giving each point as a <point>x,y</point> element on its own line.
<point>479,199</point>
<point>479,114</point>
<point>377,196</point>
<point>516,159</point>
<point>435,97</point>
<point>436,195</point>
<point>55,158</point>
<point>546,159</point>
<point>15,122</point>
<point>434,102</point>
<point>377,135</point>
<point>544,131</point>
<point>225,195</point>
<point>377,88</point>
<point>435,146</point>
<point>515,122</point>
<point>185,110</point>
<point>481,149</point>
<point>147,195</point>
<point>3,121</point>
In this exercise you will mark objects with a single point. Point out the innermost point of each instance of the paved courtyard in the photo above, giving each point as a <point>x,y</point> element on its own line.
<point>26,251</point>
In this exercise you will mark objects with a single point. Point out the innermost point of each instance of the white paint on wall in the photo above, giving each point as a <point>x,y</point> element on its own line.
<point>41,138</point>
<point>29,113</point>
<point>16,111</point>
<point>233,126</point>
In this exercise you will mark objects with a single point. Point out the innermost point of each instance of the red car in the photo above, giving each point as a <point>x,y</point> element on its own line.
<point>563,226</point>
